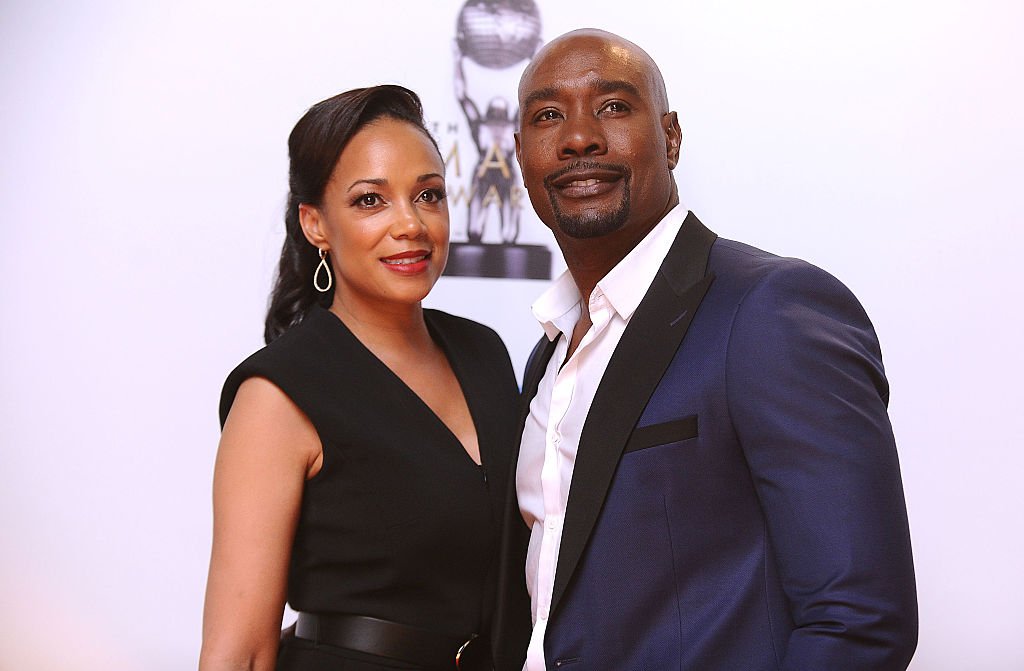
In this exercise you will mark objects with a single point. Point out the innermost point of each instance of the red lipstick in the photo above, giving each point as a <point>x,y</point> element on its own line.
<point>412,262</point>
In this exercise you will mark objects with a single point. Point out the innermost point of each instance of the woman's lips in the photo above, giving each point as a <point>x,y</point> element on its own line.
<point>408,263</point>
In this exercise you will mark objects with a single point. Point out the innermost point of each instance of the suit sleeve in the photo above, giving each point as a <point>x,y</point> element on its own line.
<point>808,397</point>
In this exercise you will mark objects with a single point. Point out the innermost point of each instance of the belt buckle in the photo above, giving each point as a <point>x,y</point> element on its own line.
<point>464,661</point>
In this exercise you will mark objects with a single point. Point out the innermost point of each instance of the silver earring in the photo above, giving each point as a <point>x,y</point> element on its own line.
<point>326,269</point>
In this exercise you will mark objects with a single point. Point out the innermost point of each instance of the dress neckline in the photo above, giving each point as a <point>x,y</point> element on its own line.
<point>450,353</point>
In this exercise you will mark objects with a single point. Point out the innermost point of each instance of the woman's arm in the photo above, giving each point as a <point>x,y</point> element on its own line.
<point>267,451</point>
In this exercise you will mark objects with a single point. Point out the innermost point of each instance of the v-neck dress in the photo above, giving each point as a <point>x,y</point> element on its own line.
<point>399,523</point>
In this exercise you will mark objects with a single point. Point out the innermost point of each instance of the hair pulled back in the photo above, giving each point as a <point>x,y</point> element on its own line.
<point>314,146</point>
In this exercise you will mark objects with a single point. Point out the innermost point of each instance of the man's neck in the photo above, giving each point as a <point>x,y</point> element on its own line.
<point>590,259</point>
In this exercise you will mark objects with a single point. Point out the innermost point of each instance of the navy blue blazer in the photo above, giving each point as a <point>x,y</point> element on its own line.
<point>736,502</point>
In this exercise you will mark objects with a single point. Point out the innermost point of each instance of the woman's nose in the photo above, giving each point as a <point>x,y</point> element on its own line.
<point>407,222</point>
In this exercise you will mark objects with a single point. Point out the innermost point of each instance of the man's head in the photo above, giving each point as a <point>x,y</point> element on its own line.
<point>597,142</point>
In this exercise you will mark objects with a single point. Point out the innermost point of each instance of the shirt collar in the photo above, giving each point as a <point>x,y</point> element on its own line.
<point>625,285</point>
<point>558,308</point>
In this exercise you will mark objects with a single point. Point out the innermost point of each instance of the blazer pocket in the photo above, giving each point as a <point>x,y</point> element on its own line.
<point>662,434</point>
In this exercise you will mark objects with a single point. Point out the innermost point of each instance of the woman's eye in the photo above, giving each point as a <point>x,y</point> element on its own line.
<point>368,200</point>
<point>432,196</point>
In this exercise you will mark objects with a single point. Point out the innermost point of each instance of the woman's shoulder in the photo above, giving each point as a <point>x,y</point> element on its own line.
<point>470,341</point>
<point>302,341</point>
<point>455,327</point>
<point>455,323</point>
<point>289,361</point>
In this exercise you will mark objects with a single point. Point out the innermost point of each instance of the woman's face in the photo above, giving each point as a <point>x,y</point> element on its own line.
<point>384,217</point>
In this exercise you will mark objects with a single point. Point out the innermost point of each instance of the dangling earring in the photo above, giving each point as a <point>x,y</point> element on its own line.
<point>327,269</point>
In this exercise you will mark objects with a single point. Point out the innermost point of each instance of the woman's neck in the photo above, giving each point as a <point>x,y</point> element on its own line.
<point>387,329</point>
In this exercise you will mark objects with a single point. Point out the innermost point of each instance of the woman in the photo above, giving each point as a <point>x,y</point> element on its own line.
<point>362,466</point>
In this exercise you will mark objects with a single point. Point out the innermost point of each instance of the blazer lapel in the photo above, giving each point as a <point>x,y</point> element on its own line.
<point>647,347</point>
<point>535,367</point>
<point>511,626</point>
<point>534,373</point>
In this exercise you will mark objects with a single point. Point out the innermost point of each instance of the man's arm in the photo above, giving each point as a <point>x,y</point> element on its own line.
<point>808,396</point>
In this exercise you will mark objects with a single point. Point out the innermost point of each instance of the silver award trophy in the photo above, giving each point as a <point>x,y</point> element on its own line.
<point>495,35</point>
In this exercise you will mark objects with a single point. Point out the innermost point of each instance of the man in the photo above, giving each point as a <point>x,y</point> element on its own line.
<point>707,473</point>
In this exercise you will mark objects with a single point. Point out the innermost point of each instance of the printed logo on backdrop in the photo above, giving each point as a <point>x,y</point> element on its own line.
<point>494,41</point>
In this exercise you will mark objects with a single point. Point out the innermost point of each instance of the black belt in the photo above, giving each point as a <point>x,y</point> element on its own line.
<point>396,641</point>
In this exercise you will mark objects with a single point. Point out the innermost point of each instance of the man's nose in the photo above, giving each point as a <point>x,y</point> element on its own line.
<point>582,135</point>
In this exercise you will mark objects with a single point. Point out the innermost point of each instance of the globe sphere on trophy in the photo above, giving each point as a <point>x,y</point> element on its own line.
<point>498,37</point>
<point>498,33</point>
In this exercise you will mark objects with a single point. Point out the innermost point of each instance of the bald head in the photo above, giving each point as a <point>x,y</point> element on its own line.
<point>596,45</point>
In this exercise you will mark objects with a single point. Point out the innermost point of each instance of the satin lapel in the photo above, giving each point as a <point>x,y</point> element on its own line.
<point>647,347</point>
<point>534,373</point>
<point>512,607</point>
<point>535,366</point>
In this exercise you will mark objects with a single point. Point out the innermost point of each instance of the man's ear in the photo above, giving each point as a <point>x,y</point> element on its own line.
<point>519,152</point>
<point>673,137</point>
<point>311,221</point>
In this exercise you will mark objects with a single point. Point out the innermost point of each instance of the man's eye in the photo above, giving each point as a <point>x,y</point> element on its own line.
<point>615,107</point>
<point>548,115</point>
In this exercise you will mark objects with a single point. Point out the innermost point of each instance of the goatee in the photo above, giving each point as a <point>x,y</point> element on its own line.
<point>592,224</point>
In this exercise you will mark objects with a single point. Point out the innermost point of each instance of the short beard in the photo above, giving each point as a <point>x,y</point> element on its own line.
<point>593,224</point>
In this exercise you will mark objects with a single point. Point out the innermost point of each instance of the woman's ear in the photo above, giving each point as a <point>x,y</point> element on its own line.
<point>311,221</point>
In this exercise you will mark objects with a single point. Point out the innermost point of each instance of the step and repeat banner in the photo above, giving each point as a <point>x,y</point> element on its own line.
<point>142,185</point>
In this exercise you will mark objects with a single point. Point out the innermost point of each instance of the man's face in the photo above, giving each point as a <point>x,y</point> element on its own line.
<point>596,144</point>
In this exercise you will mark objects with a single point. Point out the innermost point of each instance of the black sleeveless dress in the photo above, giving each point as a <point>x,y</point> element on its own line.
<point>400,523</point>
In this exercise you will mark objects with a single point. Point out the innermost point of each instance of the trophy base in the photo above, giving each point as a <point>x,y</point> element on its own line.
<point>521,262</point>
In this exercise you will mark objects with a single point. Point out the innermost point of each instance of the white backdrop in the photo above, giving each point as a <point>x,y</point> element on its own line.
<point>142,177</point>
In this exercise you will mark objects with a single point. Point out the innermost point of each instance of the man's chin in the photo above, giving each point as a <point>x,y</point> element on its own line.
<point>595,217</point>
<point>595,223</point>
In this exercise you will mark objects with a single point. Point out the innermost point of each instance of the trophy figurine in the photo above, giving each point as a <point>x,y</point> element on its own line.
<point>495,35</point>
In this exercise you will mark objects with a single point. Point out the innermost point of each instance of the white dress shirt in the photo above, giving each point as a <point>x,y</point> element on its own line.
<point>551,436</point>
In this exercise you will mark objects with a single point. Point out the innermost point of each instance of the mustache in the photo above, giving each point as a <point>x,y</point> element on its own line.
<point>587,165</point>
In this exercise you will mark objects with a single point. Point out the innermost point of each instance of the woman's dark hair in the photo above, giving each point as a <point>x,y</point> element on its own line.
<point>314,146</point>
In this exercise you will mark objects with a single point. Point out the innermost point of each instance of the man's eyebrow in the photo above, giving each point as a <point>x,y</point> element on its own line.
<point>616,85</point>
<point>603,86</point>
<point>539,94</point>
